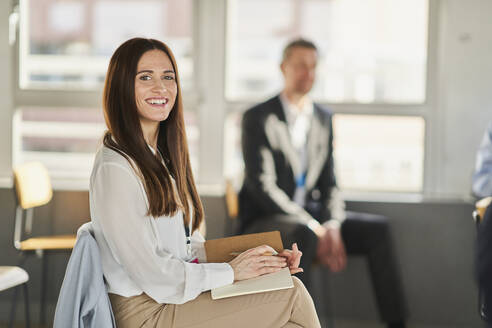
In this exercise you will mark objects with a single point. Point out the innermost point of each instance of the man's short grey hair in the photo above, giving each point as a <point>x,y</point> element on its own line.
<point>297,43</point>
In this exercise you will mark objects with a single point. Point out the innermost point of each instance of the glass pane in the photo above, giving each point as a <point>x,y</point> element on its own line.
<point>379,153</point>
<point>67,44</point>
<point>370,50</point>
<point>372,153</point>
<point>66,139</point>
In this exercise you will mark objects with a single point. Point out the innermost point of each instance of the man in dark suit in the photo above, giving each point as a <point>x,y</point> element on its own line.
<point>484,265</point>
<point>290,185</point>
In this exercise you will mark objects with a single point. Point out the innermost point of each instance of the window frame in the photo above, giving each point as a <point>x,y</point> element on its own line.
<point>36,97</point>
<point>427,110</point>
<point>208,99</point>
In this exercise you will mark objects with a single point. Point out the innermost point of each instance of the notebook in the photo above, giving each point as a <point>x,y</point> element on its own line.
<point>219,250</point>
<point>269,282</point>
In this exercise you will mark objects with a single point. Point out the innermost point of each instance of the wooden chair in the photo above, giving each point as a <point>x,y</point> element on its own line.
<point>480,208</point>
<point>33,189</point>
<point>13,276</point>
<point>231,200</point>
<point>232,208</point>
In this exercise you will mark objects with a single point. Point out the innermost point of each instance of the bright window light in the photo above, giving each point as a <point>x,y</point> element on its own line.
<point>371,51</point>
<point>67,44</point>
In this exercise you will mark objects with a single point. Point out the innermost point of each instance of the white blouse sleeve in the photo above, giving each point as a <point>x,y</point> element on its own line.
<point>198,247</point>
<point>121,208</point>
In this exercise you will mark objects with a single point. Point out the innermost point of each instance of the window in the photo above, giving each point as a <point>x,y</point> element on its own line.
<point>379,153</point>
<point>67,44</point>
<point>372,152</point>
<point>64,49</point>
<point>66,139</point>
<point>372,59</point>
<point>370,51</point>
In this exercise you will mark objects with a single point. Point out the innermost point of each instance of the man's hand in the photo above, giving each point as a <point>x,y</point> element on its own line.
<point>331,250</point>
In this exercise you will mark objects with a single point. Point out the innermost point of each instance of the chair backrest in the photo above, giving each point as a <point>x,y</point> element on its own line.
<point>83,300</point>
<point>481,206</point>
<point>32,185</point>
<point>33,188</point>
<point>232,202</point>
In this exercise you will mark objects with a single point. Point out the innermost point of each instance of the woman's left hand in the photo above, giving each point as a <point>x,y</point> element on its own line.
<point>293,258</point>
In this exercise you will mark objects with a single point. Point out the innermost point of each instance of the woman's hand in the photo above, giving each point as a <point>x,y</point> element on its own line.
<point>253,263</point>
<point>293,258</point>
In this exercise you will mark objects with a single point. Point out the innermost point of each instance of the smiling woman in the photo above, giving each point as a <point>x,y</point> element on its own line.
<point>155,91</point>
<point>135,76</point>
<point>146,212</point>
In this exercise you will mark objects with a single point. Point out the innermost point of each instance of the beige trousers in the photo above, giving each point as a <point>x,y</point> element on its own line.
<point>283,308</point>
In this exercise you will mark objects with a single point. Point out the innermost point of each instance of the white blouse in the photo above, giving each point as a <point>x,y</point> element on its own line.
<point>141,253</point>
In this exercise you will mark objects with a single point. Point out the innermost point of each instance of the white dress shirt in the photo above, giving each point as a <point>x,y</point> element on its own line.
<point>299,122</point>
<point>140,253</point>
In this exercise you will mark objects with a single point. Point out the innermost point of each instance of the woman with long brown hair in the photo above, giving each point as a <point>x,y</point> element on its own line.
<point>146,212</point>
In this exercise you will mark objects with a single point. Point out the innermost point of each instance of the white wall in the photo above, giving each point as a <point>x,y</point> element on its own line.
<point>465,89</point>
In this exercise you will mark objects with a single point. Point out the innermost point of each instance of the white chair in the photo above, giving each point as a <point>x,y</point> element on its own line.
<point>13,276</point>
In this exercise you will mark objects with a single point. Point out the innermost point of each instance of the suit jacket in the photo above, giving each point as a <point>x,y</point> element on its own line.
<point>272,163</point>
<point>83,301</point>
<point>484,265</point>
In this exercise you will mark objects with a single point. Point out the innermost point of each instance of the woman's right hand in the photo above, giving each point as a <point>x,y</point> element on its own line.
<point>293,258</point>
<point>253,263</point>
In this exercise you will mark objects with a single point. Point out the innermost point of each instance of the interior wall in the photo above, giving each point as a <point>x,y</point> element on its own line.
<point>465,79</point>
<point>434,244</point>
<point>433,241</point>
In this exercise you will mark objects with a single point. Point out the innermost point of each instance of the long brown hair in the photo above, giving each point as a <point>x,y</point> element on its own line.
<point>125,135</point>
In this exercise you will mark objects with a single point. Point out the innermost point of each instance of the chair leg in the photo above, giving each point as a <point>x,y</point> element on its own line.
<point>22,260</point>
<point>42,314</point>
<point>26,305</point>
<point>13,308</point>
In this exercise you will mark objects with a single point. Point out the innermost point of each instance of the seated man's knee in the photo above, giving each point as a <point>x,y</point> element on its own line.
<point>304,231</point>
<point>306,237</point>
<point>379,224</point>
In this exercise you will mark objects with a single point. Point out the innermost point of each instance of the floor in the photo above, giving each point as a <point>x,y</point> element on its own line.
<point>365,324</point>
<point>338,324</point>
